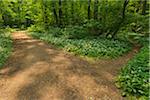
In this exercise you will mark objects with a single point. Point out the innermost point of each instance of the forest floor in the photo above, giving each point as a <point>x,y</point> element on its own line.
<point>38,71</point>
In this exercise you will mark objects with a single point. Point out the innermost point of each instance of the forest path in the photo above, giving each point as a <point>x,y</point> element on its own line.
<point>37,71</point>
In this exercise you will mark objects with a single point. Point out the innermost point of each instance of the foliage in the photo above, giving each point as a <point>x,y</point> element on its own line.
<point>133,79</point>
<point>36,28</point>
<point>45,14</point>
<point>137,38</point>
<point>74,32</point>
<point>135,29</point>
<point>94,27</point>
<point>5,45</point>
<point>69,32</point>
<point>55,31</point>
<point>90,47</point>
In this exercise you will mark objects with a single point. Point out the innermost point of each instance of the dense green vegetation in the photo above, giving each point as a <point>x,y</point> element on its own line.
<point>92,28</point>
<point>89,46</point>
<point>5,45</point>
<point>102,17</point>
<point>134,77</point>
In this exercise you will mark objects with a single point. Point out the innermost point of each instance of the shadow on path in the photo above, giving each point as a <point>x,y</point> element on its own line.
<point>37,71</point>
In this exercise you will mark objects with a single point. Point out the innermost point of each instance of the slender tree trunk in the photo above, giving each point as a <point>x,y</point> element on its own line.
<point>1,13</point>
<point>54,12</point>
<point>72,11</point>
<point>44,14</point>
<point>124,8</point>
<point>89,9</point>
<point>121,21</point>
<point>60,12</point>
<point>95,9</point>
<point>144,7</point>
<point>123,17</point>
<point>66,19</point>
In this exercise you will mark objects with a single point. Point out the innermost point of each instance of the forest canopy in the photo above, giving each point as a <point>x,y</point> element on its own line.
<point>98,16</point>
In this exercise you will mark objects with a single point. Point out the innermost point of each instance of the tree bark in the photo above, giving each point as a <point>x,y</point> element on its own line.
<point>95,9</point>
<point>121,21</point>
<point>54,12</point>
<point>89,9</point>
<point>66,19</point>
<point>60,13</point>
<point>44,14</point>
<point>72,11</point>
<point>124,8</point>
<point>123,17</point>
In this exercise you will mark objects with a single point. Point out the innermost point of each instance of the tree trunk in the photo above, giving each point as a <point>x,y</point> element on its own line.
<point>60,13</point>
<point>124,8</point>
<point>95,9</point>
<point>66,19</point>
<point>144,7</point>
<point>121,21</point>
<point>1,13</point>
<point>72,11</point>
<point>123,17</point>
<point>54,12</point>
<point>44,14</point>
<point>89,9</point>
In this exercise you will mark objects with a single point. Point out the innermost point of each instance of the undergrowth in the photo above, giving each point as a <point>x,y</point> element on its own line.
<point>133,79</point>
<point>95,47</point>
<point>5,45</point>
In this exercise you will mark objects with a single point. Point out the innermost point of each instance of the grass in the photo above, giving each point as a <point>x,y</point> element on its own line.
<point>134,77</point>
<point>90,47</point>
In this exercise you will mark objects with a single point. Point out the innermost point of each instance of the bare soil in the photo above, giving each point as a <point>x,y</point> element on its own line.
<point>38,71</point>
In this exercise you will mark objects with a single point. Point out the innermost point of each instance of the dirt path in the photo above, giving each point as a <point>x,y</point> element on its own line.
<point>37,71</point>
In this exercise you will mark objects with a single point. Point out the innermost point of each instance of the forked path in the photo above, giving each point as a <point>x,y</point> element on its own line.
<point>38,71</point>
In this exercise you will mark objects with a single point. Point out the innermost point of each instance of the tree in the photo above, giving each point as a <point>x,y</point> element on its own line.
<point>72,11</point>
<point>60,12</point>
<point>44,15</point>
<point>119,24</point>
<point>89,9</point>
<point>95,9</point>
<point>123,17</point>
<point>54,12</point>
<point>1,13</point>
<point>124,8</point>
<point>144,7</point>
<point>19,12</point>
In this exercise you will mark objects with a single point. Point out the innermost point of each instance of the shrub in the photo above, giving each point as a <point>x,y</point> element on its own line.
<point>55,31</point>
<point>74,32</point>
<point>133,79</point>
<point>94,27</point>
<point>36,28</point>
<point>137,38</point>
<point>90,47</point>
<point>5,45</point>
<point>135,28</point>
